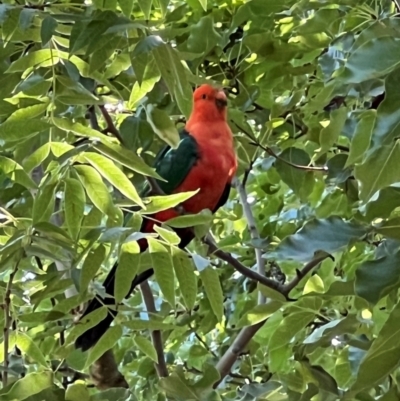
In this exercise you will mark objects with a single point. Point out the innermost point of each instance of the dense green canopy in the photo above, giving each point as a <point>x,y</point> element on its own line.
<point>89,93</point>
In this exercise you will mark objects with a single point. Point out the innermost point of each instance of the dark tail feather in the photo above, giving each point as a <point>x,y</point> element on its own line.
<point>90,337</point>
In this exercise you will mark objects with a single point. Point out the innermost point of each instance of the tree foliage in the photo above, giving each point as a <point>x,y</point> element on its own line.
<point>89,92</point>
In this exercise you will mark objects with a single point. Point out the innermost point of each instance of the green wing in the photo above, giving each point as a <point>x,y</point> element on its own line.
<point>175,164</point>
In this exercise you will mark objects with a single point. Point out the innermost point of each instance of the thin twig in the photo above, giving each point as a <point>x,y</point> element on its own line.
<point>273,154</point>
<point>294,165</point>
<point>241,268</point>
<point>148,298</point>
<point>205,345</point>
<point>247,173</point>
<point>111,128</point>
<point>254,234</point>
<point>7,321</point>
<point>300,274</point>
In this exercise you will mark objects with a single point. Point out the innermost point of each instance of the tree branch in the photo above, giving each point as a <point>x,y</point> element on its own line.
<point>251,225</point>
<point>7,321</point>
<point>300,274</point>
<point>225,364</point>
<point>297,166</point>
<point>156,337</point>
<point>111,128</point>
<point>237,265</point>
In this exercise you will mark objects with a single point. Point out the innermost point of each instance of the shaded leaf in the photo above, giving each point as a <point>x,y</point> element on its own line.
<point>213,289</point>
<point>74,201</point>
<point>107,341</point>
<point>163,269</point>
<point>328,235</point>
<point>91,265</point>
<point>128,266</point>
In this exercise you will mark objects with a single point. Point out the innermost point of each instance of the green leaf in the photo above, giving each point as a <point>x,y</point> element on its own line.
<point>74,201</point>
<point>126,6</point>
<point>203,4</point>
<point>28,347</point>
<point>186,276</point>
<point>49,25</point>
<point>137,324</point>
<point>376,278</point>
<point>296,179</point>
<point>43,206</point>
<point>95,189</point>
<point>32,383</point>
<point>127,158</point>
<point>150,77</point>
<point>362,137</point>
<point>39,58</point>
<point>106,342</point>
<point>163,269</point>
<point>212,286</point>
<point>146,347</point>
<point>36,158</point>
<point>385,130</point>
<point>203,36</point>
<point>29,112</point>
<point>383,356</point>
<point>145,6</point>
<point>389,228</point>
<point>164,202</point>
<point>331,133</point>
<point>89,321</point>
<point>167,235</point>
<point>191,220</point>
<point>128,266</point>
<point>77,392</point>
<point>279,345</point>
<point>15,172</point>
<point>91,265</point>
<point>175,385</point>
<point>79,129</point>
<point>174,74</point>
<point>163,126</point>
<point>147,44</point>
<point>373,59</point>
<point>114,176</point>
<point>328,235</point>
<point>18,130</point>
<point>259,313</point>
<point>383,162</point>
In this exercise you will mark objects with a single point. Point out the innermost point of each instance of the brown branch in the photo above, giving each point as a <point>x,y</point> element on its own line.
<point>251,274</point>
<point>254,234</point>
<point>300,274</point>
<point>111,128</point>
<point>156,337</point>
<point>225,364</point>
<point>7,321</point>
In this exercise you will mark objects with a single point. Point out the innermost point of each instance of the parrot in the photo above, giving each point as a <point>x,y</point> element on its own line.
<point>204,160</point>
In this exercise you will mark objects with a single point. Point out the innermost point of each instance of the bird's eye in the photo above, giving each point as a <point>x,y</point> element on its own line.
<point>204,96</point>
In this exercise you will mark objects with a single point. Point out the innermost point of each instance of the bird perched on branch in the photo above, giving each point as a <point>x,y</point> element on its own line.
<point>205,159</point>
